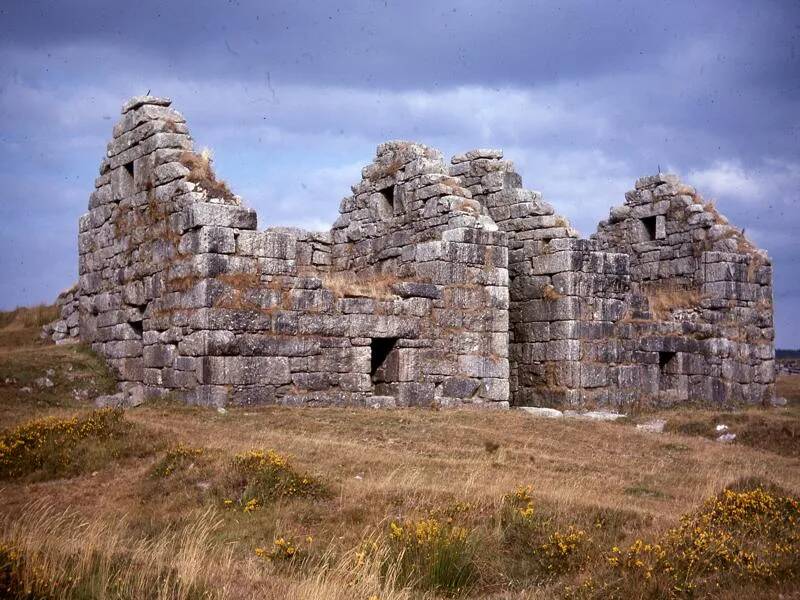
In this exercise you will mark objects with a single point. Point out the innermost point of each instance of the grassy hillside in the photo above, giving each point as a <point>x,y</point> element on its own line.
<point>171,501</point>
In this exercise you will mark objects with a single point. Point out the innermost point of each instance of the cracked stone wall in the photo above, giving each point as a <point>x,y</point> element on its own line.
<point>438,284</point>
<point>183,294</point>
<point>700,310</point>
<point>564,291</point>
<point>667,303</point>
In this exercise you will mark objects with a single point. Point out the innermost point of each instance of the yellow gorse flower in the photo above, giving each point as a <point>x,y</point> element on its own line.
<point>748,533</point>
<point>19,446</point>
<point>282,549</point>
<point>266,474</point>
<point>521,501</point>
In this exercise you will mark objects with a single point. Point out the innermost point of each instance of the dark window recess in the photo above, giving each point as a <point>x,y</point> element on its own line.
<point>138,328</point>
<point>650,227</point>
<point>665,360</point>
<point>380,348</point>
<point>388,195</point>
<point>129,168</point>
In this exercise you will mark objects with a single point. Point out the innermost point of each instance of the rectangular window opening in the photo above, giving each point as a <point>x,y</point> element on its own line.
<point>665,360</point>
<point>138,327</point>
<point>129,168</point>
<point>380,349</point>
<point>650,227</point>
<point>388,195</point>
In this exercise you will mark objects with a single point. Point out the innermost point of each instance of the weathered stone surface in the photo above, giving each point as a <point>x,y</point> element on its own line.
<point>138,101</point>
<point>459,387</point>
<point>221,215</point>
<point>594,415</point>
<point>245,370</point>
<point>410,289</point>
<point>440,285</point>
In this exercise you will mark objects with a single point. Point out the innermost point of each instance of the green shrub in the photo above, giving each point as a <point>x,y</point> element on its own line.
<point>433,555</point>
<point>539,546</point>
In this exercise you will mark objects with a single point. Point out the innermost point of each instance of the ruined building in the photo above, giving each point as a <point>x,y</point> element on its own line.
<point>438,284</point>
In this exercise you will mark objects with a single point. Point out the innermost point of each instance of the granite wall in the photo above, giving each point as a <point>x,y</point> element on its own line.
<point>438,284</point>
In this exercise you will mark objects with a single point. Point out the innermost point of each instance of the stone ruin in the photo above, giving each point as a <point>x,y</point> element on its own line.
<point>438,284</point>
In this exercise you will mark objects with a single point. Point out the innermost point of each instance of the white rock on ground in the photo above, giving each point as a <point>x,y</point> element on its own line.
<point>653,426</point>
<point>594,415</point>
<point>552,413</point>
<point>726,438</point>
<point>43,382</point>
<point>537,411</point>
<point>381,402</point>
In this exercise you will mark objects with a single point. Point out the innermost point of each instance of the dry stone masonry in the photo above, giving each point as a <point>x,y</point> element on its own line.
<point>438,284</point>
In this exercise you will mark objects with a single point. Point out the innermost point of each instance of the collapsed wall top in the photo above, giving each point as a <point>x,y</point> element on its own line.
<point>183,294</point>
<point>447,284</point>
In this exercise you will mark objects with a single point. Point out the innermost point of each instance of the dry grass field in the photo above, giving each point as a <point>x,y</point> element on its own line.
<point>171,501</point>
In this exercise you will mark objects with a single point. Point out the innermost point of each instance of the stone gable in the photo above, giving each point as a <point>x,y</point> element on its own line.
<point>438,284</point>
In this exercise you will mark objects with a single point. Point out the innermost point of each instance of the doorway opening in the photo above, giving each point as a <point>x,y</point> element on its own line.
<point>667,367</point>
<point>380,349</point>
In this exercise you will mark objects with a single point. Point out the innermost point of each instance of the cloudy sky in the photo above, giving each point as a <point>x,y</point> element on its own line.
<point>293,97</point>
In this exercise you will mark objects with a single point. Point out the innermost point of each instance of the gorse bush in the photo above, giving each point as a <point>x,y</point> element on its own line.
<point>517,507</point>
<point>284,549</point>
<point>260,476</point>
<point>563,551</point>
<point>739,537</point>
<point>53,447</point>
<point>12,585</point>
<point>432,555</point>
<point>176,459</point>
<point>541,549</point>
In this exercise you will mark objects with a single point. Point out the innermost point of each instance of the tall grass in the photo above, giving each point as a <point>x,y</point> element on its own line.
<point>202,173</point>
<point>29,317</point>
<point>46,553</point>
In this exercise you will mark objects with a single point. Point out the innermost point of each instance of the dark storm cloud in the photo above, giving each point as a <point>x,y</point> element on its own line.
<point>294,96</point>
